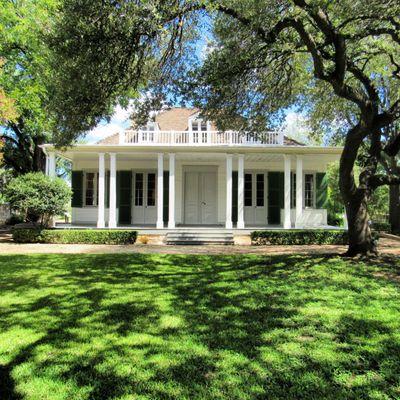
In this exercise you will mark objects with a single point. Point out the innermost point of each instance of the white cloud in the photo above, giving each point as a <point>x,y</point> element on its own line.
<point>119,121</point>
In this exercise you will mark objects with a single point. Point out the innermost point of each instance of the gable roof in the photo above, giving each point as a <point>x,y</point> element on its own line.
<point>177,119</point>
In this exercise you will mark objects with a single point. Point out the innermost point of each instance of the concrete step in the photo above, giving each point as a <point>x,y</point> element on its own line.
<point>199,238</point>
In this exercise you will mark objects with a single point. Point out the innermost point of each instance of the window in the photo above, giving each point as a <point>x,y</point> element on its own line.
<point>248,190</point>
<point>138,189</point>
<point>199,129</point>
<point>309,190</point>
<point>91,189</point>
<point>260,190</point>
<point>151,189</point>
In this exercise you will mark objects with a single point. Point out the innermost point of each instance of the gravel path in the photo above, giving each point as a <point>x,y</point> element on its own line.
<point>7,246</point>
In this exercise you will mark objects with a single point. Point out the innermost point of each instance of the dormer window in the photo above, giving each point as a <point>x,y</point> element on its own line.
<point>148,131</point>
<point>199,127</point>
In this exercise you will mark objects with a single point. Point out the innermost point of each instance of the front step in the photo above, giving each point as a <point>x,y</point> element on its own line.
<point>199,238</point>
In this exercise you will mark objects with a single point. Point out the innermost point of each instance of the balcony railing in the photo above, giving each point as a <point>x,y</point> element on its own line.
<point>197,138</point>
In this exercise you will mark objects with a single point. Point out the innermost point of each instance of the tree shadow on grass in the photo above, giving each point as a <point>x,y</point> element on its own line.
<point>195,327</point>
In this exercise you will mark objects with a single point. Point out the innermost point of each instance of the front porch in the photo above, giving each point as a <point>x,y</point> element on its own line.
<point>182,189</point>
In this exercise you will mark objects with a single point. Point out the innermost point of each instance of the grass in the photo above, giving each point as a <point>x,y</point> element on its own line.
<point>197,327</point>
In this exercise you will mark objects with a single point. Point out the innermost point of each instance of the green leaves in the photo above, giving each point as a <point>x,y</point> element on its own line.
<point>38,196</point>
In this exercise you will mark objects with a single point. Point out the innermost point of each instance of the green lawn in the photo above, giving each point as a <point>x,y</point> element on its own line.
<point>196,327</point>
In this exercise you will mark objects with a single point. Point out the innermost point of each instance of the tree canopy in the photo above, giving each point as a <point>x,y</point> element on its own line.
<point>25,75</point>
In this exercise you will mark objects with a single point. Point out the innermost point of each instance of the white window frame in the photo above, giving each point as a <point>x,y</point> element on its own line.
<point>198,121</point>
<point>314,194</point>
<point>95,186</point>
<point>293,189</point>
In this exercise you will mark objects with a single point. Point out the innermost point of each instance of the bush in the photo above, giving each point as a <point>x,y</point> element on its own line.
<point>74,236</point>
<point>381,226</point>
<point>335,219</point>
<point>299,237</point>
<point>15,219</point>
<point>38,197</point>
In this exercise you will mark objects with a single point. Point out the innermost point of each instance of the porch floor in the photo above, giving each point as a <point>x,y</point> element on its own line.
<point>151,229</point>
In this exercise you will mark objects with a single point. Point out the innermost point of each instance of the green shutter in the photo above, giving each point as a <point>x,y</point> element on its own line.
<point>234,197</point>
<point>322,190</point>
<point>77,188</point>
<point>124,194</point>
<point>275,197</point>
<point>166,197</point>
<point>107,183</point>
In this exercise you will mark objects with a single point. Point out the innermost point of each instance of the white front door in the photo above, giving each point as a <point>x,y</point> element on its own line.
<point>255,210</point>
<point>200,198</point>
<point>144,198</point>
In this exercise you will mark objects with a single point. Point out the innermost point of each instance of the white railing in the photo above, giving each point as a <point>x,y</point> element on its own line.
<point>231,138</point>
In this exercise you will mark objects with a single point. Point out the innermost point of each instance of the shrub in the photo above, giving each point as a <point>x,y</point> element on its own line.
<point>74,236</point>
<point>381,226</point>
<point>335,219</point>
<point>38,197</point>
<point>15,219</point>
<point>299,237</point>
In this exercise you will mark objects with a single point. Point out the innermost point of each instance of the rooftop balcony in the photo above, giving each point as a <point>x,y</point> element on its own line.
<point>200,138</point>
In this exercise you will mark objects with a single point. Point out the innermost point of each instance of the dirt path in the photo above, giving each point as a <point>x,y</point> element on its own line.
<point>7,246</point>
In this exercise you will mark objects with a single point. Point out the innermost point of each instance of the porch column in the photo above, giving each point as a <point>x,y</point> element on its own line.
<point>171,200</point>
<point>160,191</point>
<point>228,222</point>
<point>100,206</point>
<point>46,168</point>
<point>286,219</point>
<point>240,221</point>
<point>112,216</point>
<point>52,164</point>
<point>299,191</point>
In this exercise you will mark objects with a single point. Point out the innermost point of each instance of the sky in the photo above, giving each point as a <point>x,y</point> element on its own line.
<point>118,122</point>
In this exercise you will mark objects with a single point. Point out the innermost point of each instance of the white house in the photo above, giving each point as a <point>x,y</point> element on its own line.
<point>179,171</point>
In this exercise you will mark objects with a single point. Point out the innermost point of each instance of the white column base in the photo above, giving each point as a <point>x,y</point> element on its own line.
<point>228,225</point>
<point>160,225</point>
<point>101,224</point>
<point>240,225</point>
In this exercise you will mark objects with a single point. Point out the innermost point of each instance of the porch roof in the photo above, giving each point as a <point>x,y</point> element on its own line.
<point>79,151</point>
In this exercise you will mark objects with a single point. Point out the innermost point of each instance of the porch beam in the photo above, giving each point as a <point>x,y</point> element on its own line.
<point>240,221</point>
<point>100,206</point>
<point>112,216</point>
<point>171,200</point>
<point>228,221</point>
<point>299,191</point>
<point>160,191</point>
<point>286,220</point>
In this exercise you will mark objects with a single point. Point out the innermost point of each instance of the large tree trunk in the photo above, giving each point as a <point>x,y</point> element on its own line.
<point>360,237</point>
<point>394,207</point>
<point>355,198</point>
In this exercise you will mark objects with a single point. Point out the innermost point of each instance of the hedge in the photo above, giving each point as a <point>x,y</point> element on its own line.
<point>299,237</point>
<point>381,226</point>
<point>74,236</point>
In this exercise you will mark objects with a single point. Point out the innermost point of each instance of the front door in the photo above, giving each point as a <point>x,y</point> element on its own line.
<point>255,211</point>
<point>144,198</point>
<point>200,198</point>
